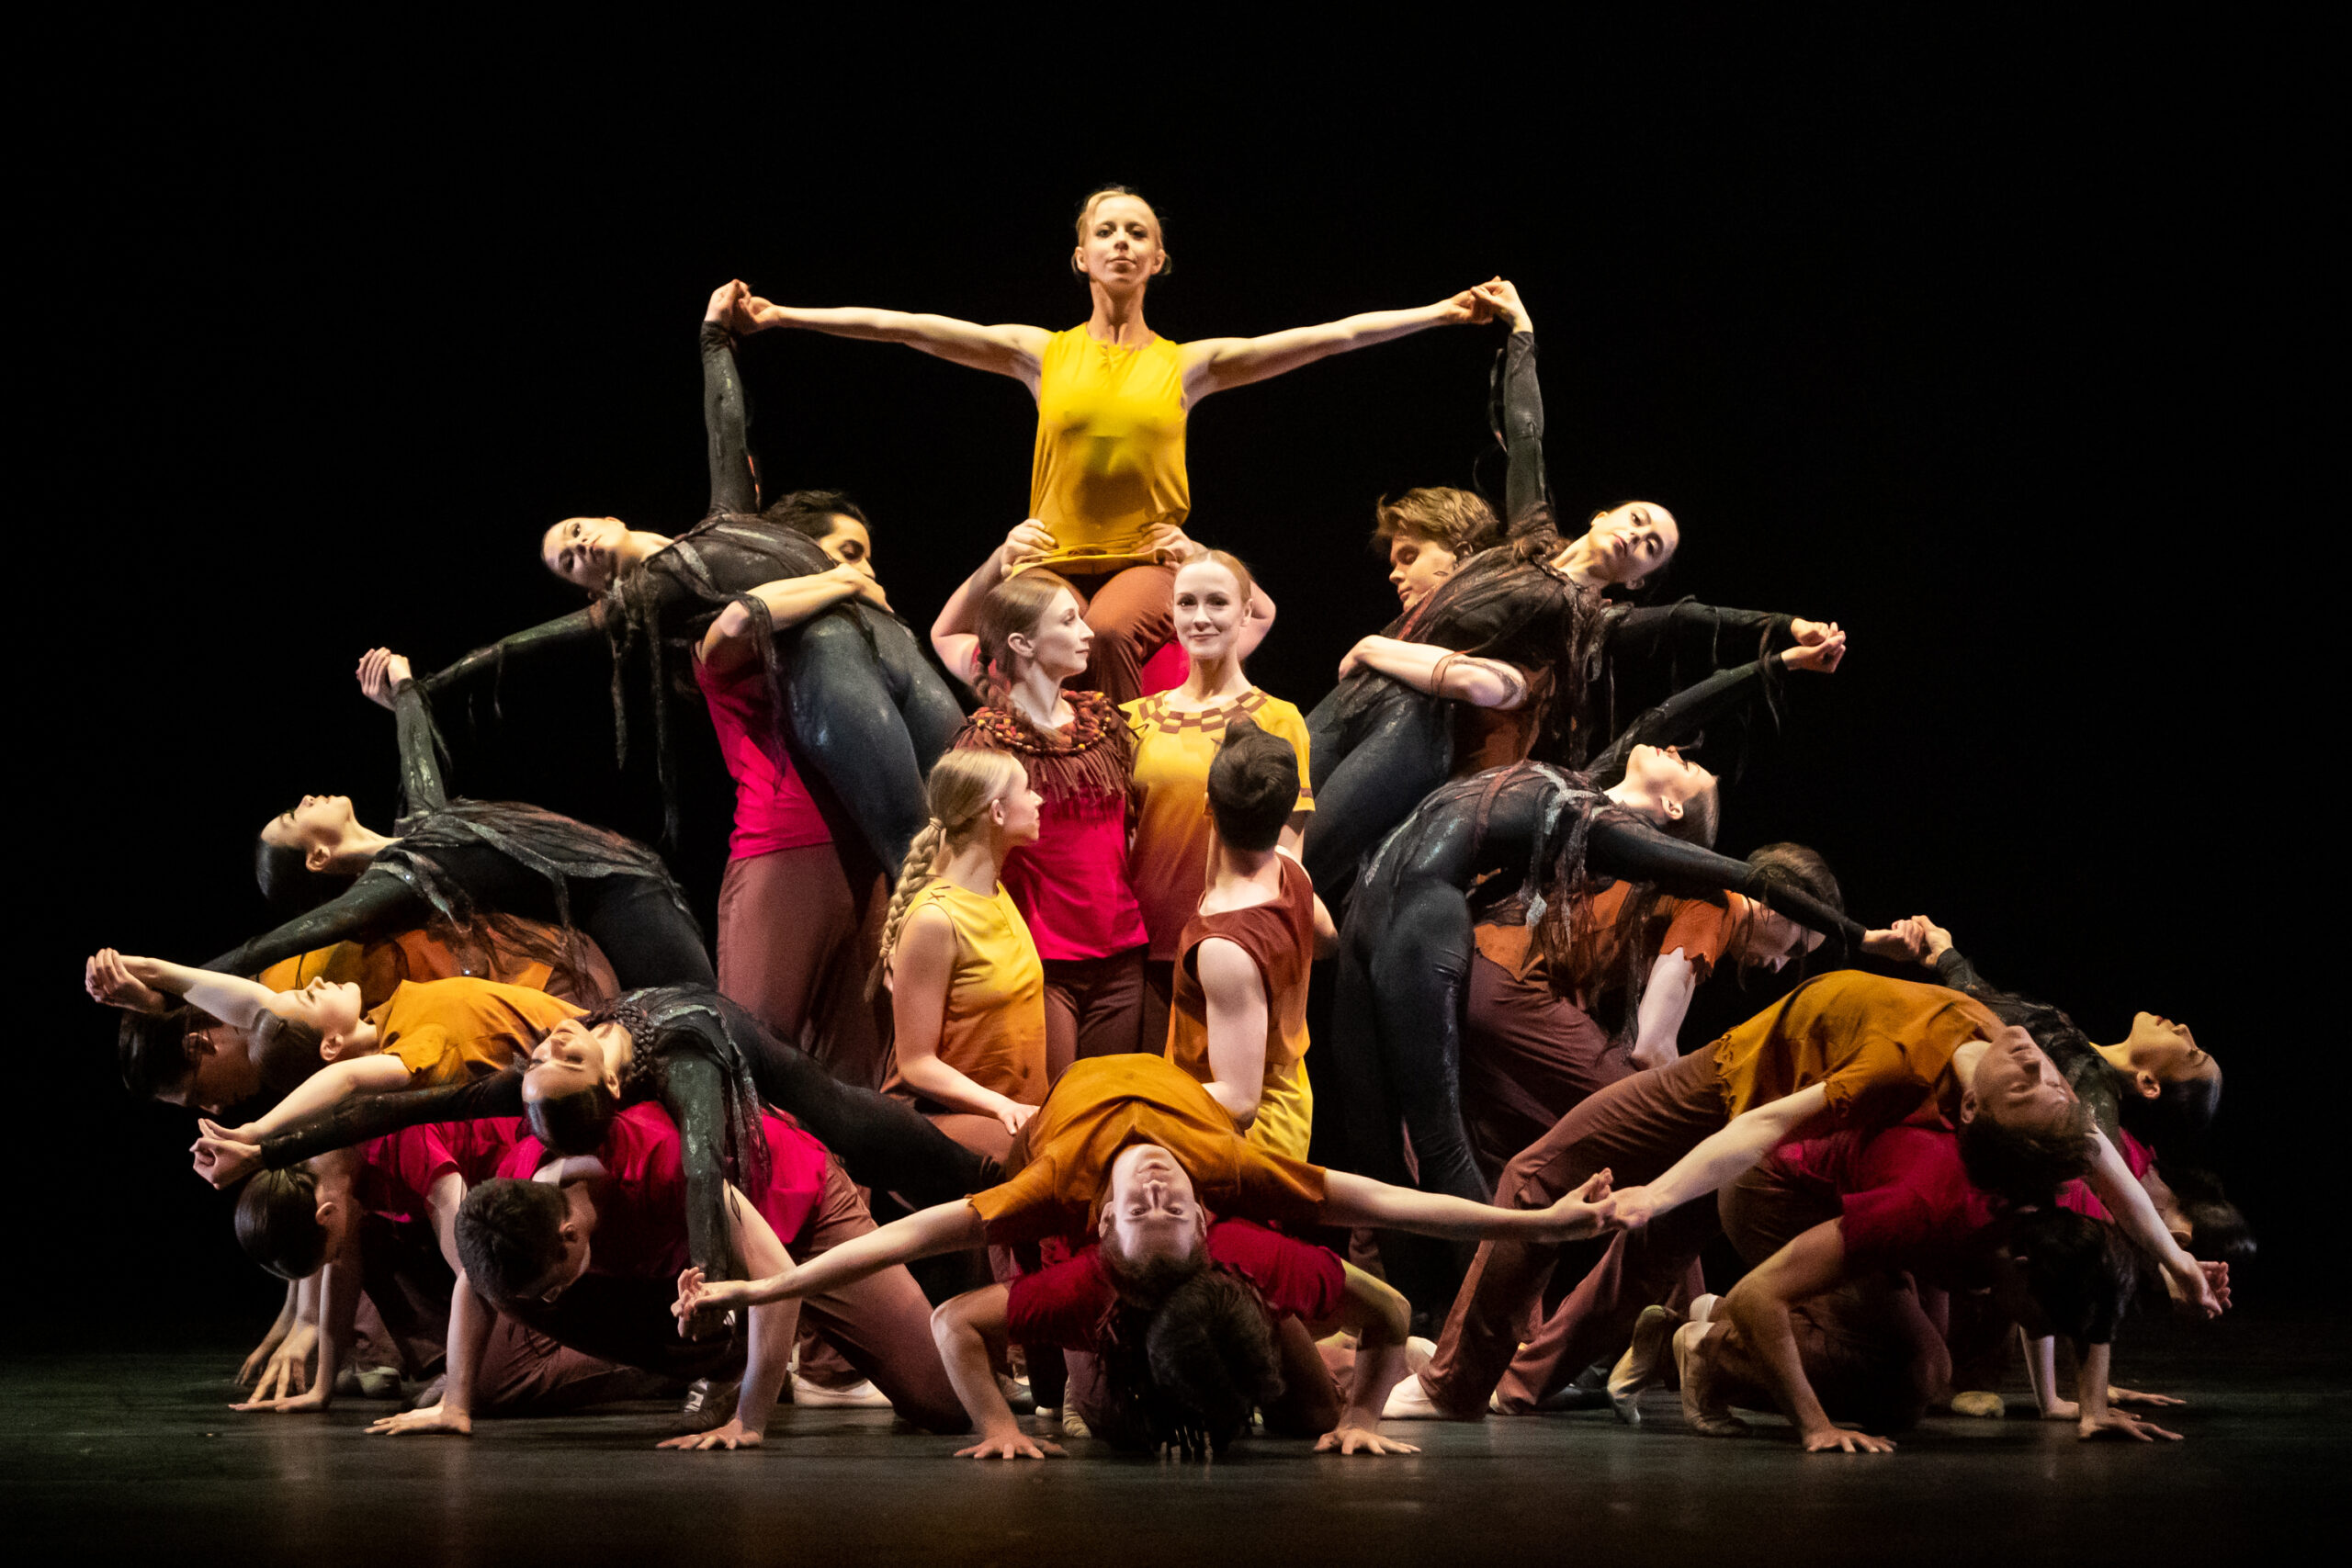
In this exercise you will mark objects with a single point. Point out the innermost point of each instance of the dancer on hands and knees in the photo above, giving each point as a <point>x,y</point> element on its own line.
<point>1108,482</point>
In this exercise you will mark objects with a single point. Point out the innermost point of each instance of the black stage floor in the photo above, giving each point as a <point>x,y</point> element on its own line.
<point>118,1456</point>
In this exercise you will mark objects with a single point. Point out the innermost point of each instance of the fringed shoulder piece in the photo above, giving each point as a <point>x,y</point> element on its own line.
<point>1092,758</point>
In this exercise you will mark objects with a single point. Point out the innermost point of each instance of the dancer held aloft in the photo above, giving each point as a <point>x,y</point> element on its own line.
<point>863,705</point>
<point>1515,626</point>
<point>1845,1049</point>
<point>1645,814</point>
<point>1108,480</point>
<point>1133,1150</point>
<point>1238,1018</point>
<point>966,988</point>
<point>1177,736</point>
<point>1071,882</point>
<point>550,1229</point>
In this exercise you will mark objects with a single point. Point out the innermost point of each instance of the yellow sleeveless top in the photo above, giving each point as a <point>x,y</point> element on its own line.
<point>994,1031</point>
<point>1110,458</point>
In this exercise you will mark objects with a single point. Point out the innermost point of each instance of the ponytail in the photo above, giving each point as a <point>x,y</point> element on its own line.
<point>964,785</point>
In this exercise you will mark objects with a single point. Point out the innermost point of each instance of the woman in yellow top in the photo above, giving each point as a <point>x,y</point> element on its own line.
<point>1108,480</point>
<point>1177,736</point>
<point>967,992</point>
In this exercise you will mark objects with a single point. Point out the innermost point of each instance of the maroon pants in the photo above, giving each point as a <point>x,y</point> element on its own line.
<point>1529,1057</point>
<point>1093,1008</point>
<point>795,942</point>
<point>1133,614</point>
<point>1636,1128</point>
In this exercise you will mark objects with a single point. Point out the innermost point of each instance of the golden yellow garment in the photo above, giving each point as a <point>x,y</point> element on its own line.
<point>993,1030</point>
<point>1167,867</point>
<point>448,1030</point>
<point>1109,457</point>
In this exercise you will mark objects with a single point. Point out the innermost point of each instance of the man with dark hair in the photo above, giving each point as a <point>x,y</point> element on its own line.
<point>1844,1049</point>
<point>584,1248</point>
<point>1133,1150</point>
<point>1237,1015</point>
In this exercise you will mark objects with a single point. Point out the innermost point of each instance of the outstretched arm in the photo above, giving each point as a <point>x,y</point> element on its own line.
<point>726,412</point>
<point>1352,1199</point>
<point>955,634</point>
<point>1214,365</point>
<point>1521,430</point>
<point>385,680</point>
<point>944,1227</point>
<point>2202,1288</point>
<point>1639,853</point>
<point>379,1073</point>
<point>1722,1156</point>
<point>233,999</point>
<point>1758,1307</point>
<point>1007,350</point>
<point>577,629</point>
<point>376,905</point>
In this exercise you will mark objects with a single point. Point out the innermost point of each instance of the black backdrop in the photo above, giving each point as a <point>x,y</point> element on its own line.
<point>1990,348</point>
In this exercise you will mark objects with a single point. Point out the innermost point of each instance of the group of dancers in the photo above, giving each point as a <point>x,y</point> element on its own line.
<point>998,1103</point>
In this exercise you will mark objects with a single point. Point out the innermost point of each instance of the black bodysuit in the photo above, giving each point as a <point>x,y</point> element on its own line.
<point>862,709</point>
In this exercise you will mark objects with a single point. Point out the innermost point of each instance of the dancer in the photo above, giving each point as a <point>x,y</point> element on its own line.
<point>863,706</point>
<point>1239,1021</point>
<point>1177,736</point>
<point>1108,481</point>
<point>1186,1367</point>
<point>461,865</point>
<point>1406,939</point>
<point>966,989</point>
<point>1135,1151</point>
<point>1845,1049</point>
<point>528,1237</point>
<point>1069,883</point>
<point>1517,627</point>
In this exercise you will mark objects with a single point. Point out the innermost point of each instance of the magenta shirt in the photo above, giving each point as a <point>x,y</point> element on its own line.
<point>641,1211</point>
<point>1071,884</point>
<point>772,808</point>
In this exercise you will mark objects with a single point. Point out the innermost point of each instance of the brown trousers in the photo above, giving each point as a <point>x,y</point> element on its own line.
<point>795,942</point>
<point>1529,1057</point>
<point>1093,1008</point>
<point>1635,1127</point>
<point>1133,614</point>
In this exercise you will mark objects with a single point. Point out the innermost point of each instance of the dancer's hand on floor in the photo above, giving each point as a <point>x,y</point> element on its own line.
<point>315,1397</point>
<point>731,1436</point>
<point>287,1368</point>
<point>425,1419</point>
<point>1844,1441</point>
<point>1012,1444</point>
<point>2116,1423</point>
<point>2133,1396</point>
<point>1359,1441</point>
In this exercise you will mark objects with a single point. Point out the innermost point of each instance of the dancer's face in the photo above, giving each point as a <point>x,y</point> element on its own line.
<point>220,1072</point>
<point>1151,1206</point>
<point>2017,1084</point>
<point>585,551</point>
<point>317,825</point>
<point>850,544</point>
<point>1415,566</point>
<point>1019,811</point>
<point>1662,773</point>
<point>570,1058</point>
<point>1210,608</point>
<point>1633,540</point>
<point>330,1007</point>
<point>1062,639</point>
<point>2162,1051</point>
<point>1121,246</point>
<point>1773,939</point>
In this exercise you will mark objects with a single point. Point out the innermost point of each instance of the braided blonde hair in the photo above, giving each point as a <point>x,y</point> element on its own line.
<point>964,785</point>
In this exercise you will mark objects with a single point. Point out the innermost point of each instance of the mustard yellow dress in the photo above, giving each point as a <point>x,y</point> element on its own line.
<point>993,1030</point>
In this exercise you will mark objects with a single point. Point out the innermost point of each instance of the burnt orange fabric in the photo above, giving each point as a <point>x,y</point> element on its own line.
<point>1279,937</point>
<point>1700,928</point>
<point>1497,737</point>
<point>1061,1162</point>
<point>1882,1048</point>
<point>381,967</point>
<point>447,1030</point>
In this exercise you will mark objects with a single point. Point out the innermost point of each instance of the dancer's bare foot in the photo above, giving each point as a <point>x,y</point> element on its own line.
<point>1645,1360</point>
